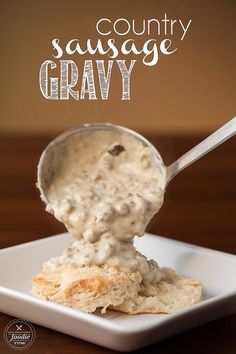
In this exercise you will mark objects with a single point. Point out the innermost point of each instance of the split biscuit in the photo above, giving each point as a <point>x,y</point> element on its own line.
<point>88,288</point>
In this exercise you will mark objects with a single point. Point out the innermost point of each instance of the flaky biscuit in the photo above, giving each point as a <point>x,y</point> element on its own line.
<point>90,287</point>
<point>86,288</point>
<point>174,292</point>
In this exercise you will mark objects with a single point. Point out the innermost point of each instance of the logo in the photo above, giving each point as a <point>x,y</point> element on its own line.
<point>19,334</point>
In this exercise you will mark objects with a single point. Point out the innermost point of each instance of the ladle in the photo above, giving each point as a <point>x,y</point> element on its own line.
<point>51,156</point>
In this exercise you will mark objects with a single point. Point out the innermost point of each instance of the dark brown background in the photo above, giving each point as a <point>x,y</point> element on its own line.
<point>191,91</point>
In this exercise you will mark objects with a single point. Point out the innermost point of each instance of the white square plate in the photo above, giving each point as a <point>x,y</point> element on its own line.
<point>216,270</point>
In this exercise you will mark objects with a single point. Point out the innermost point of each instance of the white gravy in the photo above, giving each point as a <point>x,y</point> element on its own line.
<point>105,190</point>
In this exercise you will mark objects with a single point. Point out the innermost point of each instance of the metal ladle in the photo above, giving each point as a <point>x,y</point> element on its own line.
<point>49,160</point>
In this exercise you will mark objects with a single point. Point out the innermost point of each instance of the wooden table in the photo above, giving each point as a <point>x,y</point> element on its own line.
<point>199,208</point>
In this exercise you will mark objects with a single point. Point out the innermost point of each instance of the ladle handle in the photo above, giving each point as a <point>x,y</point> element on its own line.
<point>215,139</point>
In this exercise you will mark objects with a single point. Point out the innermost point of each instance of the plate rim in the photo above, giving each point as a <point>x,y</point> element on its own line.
<point>105,322</point>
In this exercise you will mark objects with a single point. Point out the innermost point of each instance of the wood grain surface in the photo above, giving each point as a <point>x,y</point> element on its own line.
<point>199,208</point>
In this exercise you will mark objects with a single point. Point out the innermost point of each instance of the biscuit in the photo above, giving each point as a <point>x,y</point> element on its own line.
<point>174,292</point>
<point>88,288</point>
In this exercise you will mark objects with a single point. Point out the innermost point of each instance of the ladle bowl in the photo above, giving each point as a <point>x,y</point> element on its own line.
<point>53,152</point>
